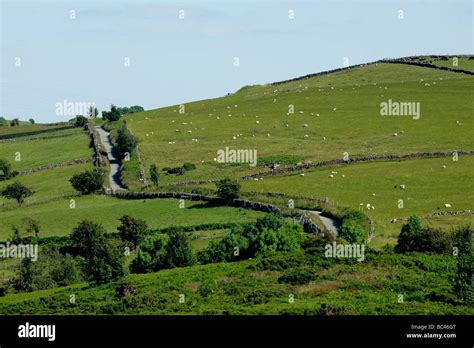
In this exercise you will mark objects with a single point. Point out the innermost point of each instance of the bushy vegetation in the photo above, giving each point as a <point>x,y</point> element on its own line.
<point>88,181</point>
<point>132,230</point>
<point>228,188</point>
<point>126,142</point>
<point>80,121</point>
<point>17,191</point>
<point>5,170</point>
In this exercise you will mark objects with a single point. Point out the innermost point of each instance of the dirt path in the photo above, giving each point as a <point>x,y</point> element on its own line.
<point>329,223</point>
<point>114,160</point>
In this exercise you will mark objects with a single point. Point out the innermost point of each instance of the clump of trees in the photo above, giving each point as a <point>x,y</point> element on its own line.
<point>116,112</point>
<point>15,122</point>
<point>88,181</point>
<point>50,270</point>
<point>125,141</point>
<point>270,233</point>
<point>228,188</point>
<point>414,237</point>
<point>100,261</point>
<point>16,191</point>
<point>164,251</point>
<point>354,227</point>
<point>80,121</point>
<point>132,231</point>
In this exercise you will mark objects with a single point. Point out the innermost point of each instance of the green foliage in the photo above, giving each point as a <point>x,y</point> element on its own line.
<point>50,270</point>
<point>154,176</point>
<point>32,225</point>
<point>17,191</point>
<point>80,121</point>
<point>228,188</point>
<point>463,281</point>
<point>352,232</point>
<point>298,276</point>
<point>5,169</point>
<point>126,141</point>
<point>189,166</point>
<point>177,251</point>
<point>132,230</point>
<point>15,122</point>
<point>112,115</point>
<point>102,262</point>
<point>413,237</point>
<point>31,121</point>
<point>88,181</point>
<point>175,170</point>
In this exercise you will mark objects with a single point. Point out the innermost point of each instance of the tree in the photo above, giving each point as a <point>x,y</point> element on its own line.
<point>407,234</point>
<point>14,122</point>
<point>88,181</point>
<point>352,232</point>
<point>112,115</point>
<point>126,141</point>
<point>228,188</point>
<point>154,174</point>
<point>32,225</point>
<point>177,251</point>
<point>132,230</point>
<point>102,262</point>
<point>50,270</point>
<point>16,238</point>
<point>17,191</point>
<point>5,170</point>
<point>80,121</point>
<point>463,281</point>
<point>31,121</point>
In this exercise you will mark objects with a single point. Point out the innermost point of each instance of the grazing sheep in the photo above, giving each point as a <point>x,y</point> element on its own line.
<point>402,187</point>
<point>331,176</point>
<point>395,134</point>
<point>302,174</point>
<point>444,166</point>
<point>447,205</point>
<point>257,122</point>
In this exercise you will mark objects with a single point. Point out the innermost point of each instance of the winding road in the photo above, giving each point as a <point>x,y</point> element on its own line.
<point>114,160</point>
<point>329,223</point>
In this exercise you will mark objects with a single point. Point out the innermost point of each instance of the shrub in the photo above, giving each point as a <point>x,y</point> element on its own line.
<point>189,166</point>
<point>112,115</point>
<point>352,232</point>
<point>176,170</point>
<point>88,181</point>
<point>298,276</point>
<point>80,121</point>
<point>126,141</point>
<point>228,188</point>
<point>17,191</point>
<point>415,238</point>
<point>154,176</point>
<point>463,281</point>
<point>177,251</point>
<point>14,122</point>
<point>132,230</point>
<point>5,170</point>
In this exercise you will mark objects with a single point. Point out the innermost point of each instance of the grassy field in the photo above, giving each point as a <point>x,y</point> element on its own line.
<point>348,105</point>
<point>255,287</point>
<point>58,219</point>
<point>26,127</point>
<point>463,62</point>
<point>35,153</point>
<point>423,194</point>
<point>46,184</point>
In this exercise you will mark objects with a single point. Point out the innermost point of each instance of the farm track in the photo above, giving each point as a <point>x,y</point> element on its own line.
<point>112,154</point>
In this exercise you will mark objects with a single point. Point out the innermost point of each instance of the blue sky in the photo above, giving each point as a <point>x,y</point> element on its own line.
<point>175,60</point>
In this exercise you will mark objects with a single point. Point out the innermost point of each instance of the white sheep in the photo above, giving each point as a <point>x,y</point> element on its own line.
<point>447,205</point>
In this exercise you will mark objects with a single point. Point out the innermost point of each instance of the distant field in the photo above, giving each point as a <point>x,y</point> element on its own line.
<point>35,153</point>
<point>428,188</point>
<point>25,127</point>
<point>57,218</point>
<point>463,63</point>
<point>45,184</point>
<point>348,104</point>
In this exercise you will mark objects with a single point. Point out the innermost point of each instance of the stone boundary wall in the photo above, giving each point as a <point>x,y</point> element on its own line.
<point>437,214</point>
<point>53,166</point>
<point>304,220</point>
<point>140,164</point>
<point>307,166</point>
<point>96,145</point>
<point>23,134</point>
<point>426,65</point>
